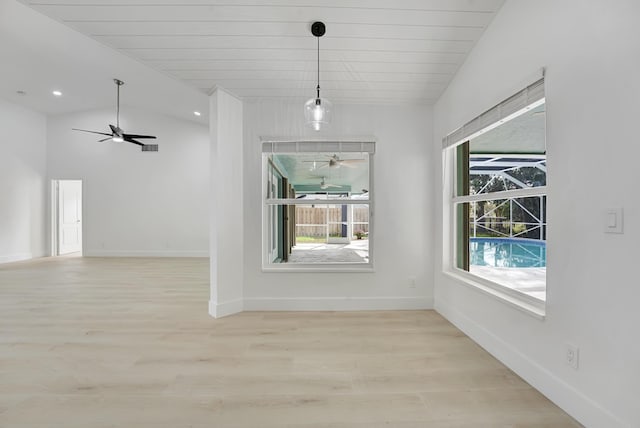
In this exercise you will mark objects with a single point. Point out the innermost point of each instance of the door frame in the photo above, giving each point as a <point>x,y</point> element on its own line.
<point>54,226</point>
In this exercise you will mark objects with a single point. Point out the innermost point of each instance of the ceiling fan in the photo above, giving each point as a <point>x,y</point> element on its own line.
<point>117,134</point>
<point>324,185</point>
<point>334,161</point>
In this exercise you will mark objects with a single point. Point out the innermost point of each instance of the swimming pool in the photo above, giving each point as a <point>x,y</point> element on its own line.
<point>507,252</point>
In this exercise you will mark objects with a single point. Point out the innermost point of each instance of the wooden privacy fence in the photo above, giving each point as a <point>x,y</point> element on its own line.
<point>313,220</point>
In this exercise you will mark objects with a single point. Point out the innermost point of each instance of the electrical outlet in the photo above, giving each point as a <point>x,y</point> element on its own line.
<point>412,282</point>
<point>572,355</point>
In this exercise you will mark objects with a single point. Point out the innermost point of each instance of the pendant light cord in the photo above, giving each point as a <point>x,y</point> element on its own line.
<point>318,87</point>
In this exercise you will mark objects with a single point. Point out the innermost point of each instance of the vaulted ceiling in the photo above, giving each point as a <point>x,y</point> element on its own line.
<point>374,51</point>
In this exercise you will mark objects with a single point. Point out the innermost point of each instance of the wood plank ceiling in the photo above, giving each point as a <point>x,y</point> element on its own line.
<point>374,51</point>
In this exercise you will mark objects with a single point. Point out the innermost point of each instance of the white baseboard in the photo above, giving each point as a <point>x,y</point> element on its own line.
<point>218,310</point>
<point>15,257</point>
<point>143,253</point>
<point>582,408</point>
<point>338,303</point>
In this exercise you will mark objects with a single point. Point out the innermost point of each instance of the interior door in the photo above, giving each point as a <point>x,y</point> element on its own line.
<point>69,216</point>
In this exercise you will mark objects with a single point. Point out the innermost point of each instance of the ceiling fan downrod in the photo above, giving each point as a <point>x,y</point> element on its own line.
<point>118,83</point>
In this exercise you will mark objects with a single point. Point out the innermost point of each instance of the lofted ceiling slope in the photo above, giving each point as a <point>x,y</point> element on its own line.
<point>39,55</point>
<point>374,51</point>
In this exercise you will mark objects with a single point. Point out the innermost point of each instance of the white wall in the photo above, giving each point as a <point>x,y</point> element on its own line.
<point>22,183</point>
<point>591,51</point>
<point>136,203</point>
<point>403,211</point>
<point>226,202</point>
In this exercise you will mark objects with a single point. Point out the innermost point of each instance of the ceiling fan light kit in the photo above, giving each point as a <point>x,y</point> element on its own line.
<point>318,111</point>
<point>117,135</point>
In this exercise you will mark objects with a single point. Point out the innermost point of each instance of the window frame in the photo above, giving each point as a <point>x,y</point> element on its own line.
<point>453,198</point>
<point>320,146</point>
<point>455,201</point>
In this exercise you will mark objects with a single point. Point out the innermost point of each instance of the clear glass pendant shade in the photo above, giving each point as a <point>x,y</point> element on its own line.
<point>318,112</point>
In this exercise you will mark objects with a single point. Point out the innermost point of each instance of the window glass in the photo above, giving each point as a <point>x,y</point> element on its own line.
<point>317,208</point>
<point>500,204</point>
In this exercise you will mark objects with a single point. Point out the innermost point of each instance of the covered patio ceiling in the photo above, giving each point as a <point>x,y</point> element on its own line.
<point>307,170</point>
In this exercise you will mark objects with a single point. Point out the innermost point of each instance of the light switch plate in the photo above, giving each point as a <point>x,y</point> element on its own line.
<point>613,220</point>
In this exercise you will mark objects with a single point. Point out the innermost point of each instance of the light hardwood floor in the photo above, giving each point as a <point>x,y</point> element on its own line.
<point>127,342</point>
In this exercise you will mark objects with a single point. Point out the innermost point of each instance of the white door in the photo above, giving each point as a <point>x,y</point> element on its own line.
<point>69,216</point>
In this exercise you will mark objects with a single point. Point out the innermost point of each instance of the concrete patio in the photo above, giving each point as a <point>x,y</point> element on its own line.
<point>356,251</point>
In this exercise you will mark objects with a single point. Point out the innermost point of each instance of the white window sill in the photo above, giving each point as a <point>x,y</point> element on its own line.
<point>527,304</point>
<point>314,268</point>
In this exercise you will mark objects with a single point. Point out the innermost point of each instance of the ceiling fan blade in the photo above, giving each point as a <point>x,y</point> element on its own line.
<point>350,163</point>
<point>137,136</point>
<point>104,139</point>
<point>129,140</point>
<point>92,132</point>
<point>332,185</point>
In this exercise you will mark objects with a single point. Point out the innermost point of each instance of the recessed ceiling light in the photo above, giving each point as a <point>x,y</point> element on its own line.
<point>57,93</point>
<point>197,113</point>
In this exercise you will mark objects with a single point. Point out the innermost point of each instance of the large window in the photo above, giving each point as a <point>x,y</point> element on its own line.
<point>317,205</point>
<point>498,196</point>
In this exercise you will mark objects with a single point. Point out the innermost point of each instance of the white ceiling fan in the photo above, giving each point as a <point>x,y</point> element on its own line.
<point>324,185</point>
<point>334,161</point>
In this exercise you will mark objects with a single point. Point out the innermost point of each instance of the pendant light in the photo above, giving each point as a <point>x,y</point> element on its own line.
<point>317,111</point>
